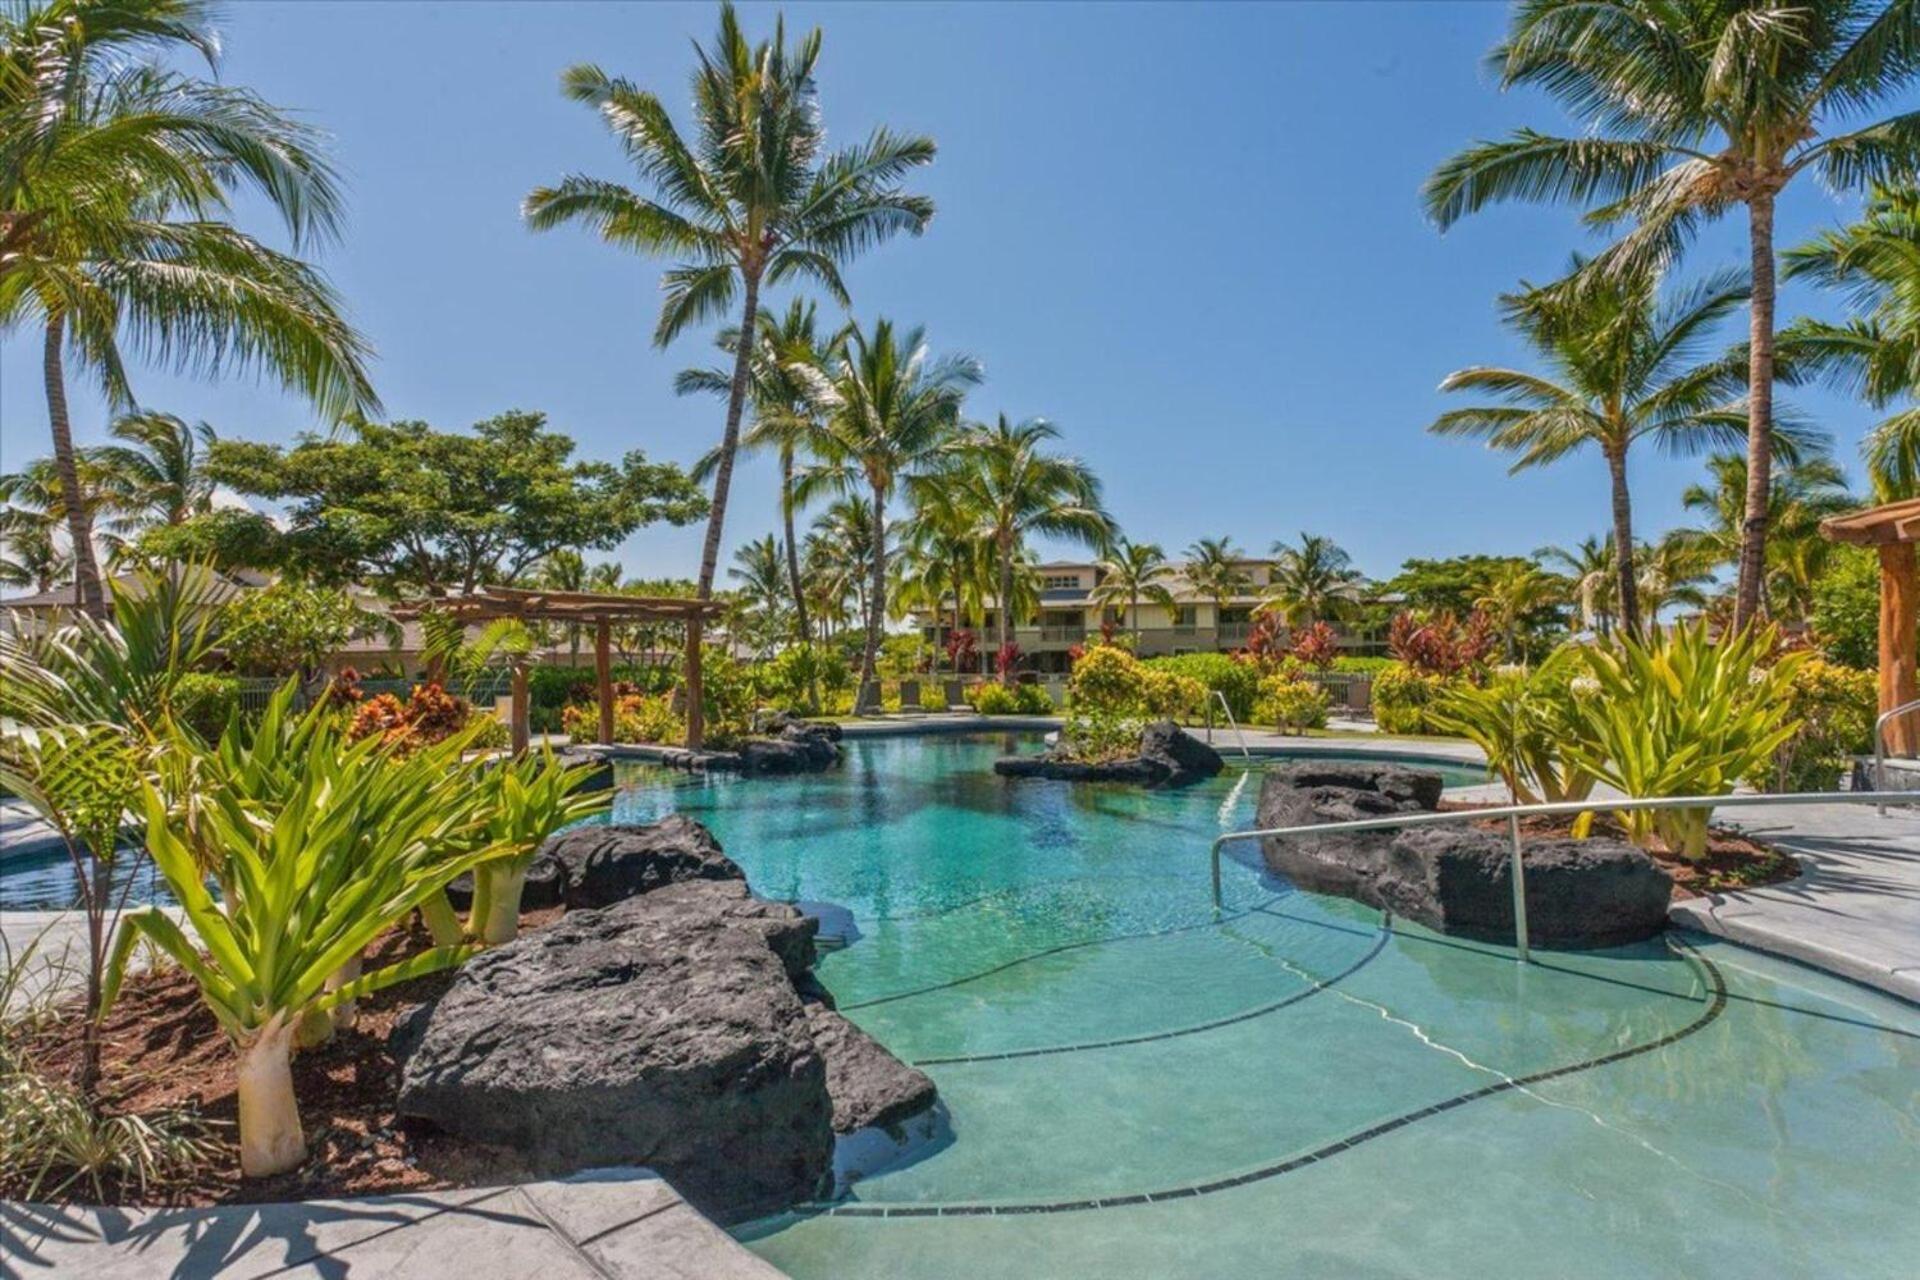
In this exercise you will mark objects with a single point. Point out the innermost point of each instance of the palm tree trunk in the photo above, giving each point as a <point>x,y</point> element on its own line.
<point>730,440</point>
<point>88,595</point>
<point>1133,603</point>
<point>876,595</point>
<point>1753,541</point>
<point>1623,542</point>
<point>1006,604</point>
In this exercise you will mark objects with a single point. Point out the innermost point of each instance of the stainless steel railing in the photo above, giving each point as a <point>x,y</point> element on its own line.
<point>1880,744</point>
<point>1514,812</point>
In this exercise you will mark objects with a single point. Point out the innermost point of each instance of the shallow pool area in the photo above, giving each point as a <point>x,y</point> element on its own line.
<point>1133,1086</point>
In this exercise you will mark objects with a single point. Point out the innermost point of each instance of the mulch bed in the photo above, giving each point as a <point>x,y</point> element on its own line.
<point>1733,861</point>
<point>163,1049</point>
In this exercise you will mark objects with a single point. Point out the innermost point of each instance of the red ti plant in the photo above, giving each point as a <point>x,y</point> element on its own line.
<point>1316,646</point>
<point>1006,660</point>
<point>1442,645</point>
<point>961,648</point>
<point>1267,639</point>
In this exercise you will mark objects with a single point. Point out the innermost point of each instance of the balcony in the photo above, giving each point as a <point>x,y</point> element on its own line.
<point>1062,635</point>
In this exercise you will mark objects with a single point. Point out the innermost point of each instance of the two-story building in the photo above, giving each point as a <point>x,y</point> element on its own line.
<point>1068,613</point>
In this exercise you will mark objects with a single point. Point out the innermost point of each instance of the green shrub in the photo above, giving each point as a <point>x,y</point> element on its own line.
<point>637,717</point>
<point>1218,673</point>
<point>1170,695</point>
<point>789,679</point>
<point>1402,698</point>
<point>1032,700</point>
<point>1836,707</point>
<point>1846,607</point>
<point>994,699</point>
<point>490,732</point>
<point>1292,704</point>
<point>1678,714</point>
<point>204,702</point>
<point>1107,680</point>
<point>1362,666</point>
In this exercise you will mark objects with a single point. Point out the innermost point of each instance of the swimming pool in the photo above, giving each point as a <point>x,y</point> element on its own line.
<point>1132,1087</point>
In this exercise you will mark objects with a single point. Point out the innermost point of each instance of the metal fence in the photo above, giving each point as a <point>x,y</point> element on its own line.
<point>254,693</point>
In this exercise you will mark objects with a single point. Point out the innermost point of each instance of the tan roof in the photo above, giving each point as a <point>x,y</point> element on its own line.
<point>1893,522</point>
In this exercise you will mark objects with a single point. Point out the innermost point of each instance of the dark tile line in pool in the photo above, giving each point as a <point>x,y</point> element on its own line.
<point>1054,951</point>
<point>1716,1005</point>
<point>1248,1015</point>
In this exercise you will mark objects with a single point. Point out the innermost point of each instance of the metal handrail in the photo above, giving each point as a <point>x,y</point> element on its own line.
<point>1514,812</point>
<point>1221,698</point>
<point>1880,745</point>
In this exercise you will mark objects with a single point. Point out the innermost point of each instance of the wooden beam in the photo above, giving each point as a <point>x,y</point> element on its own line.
<point>603,676</point>
<point>1899,618</point>
<point>696,716</point>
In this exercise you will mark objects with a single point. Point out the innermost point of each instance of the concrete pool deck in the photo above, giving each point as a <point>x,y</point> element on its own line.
<point>605,1224</point>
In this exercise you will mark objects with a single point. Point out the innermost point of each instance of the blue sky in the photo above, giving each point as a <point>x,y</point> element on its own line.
<point>1189,235</point>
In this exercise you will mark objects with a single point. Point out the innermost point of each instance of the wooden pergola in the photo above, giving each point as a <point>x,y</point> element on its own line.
<point>1892,530</point>
<point>601,611</point>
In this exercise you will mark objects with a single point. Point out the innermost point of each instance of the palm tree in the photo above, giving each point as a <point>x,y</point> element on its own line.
<point>37,497</point>
<point>1313,581</point>
<point>889,411</point>
<point>1805,493</point>
<point>752,201</point>
<point>160,467</point>
<point>1876,261</point>
<point>783,375</point>
<point>1512,595</point>
<point>1593,571</point>
<point>1673,571</point>
<point>941,557</point>
<point>1692,108</point>
<point>31,559</point>
<point>115,178</point>
<point>836,560</point>
<point>1213,569</point>
<point>1621,367</point>
<point>1131,572</point>
<point>759,568</point>
<point>1014,487</point>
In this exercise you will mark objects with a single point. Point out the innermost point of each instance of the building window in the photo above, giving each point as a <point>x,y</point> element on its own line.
<point>1060,582</point>
<point>1183,615</point>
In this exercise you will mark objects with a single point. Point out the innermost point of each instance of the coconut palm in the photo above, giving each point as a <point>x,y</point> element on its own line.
<point>837,558</point>
<point>1015,488</point>
<point>160,468</point>
<point>942,559</point>
<point>1692,109</point>
<point>31,558</point>
<point>1514,594</point>
<point>37,497</point>
<point>1592,569</point>
<point>783,373</point>
<point>1131,572</point>
<point>1876,263</point>
<point>1804,494</point>
<point>889,411</point>
<point>759,568</point>
<point>1674,571</point>
<point>753,200</point>
<point>1313,581</point>
<point>1621,367</point>
<point>115,177</point>
<point>1213,569</point>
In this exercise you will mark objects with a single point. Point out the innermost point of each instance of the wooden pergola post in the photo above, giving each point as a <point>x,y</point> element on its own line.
<point>603,676</point>
<point>1891,530</point>
<point>696,711</point>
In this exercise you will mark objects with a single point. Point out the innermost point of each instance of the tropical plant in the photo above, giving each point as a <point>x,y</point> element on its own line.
<point>160,464</point>
<point>752,201</point>
<point>1520,591</point>
<point>1238,682</point>
<point>528,798</point>
<point>761,611</point>
<point>289,628</point>
<point>1621,368</point>
<point>1129,573</point>
<point>116,176</point>
<point>1441,644</point>
<point>1292,704</point>
<point>1846,608</point>
<point>1403,697</point>
<point>1692,109</point>
<point>1594,576</point>
<point>1315,646</point>
<point>1213,569</point>
<point>889,411</point>
<point>1875,261</point>
<point>1835,708</point>
<point>1521,721</point>
<point>319,845</point>
<point>1106,701</point>
<point>1673,571</point>
<point>1681,713</point>
<point>1314,581</point>
<point>1014,487</point>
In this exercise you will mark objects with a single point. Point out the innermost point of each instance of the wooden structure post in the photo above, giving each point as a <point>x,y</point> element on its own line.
<point>521,734</point>
<point>696,710</point>
<point>603,676</point>
<point>1892,530</point>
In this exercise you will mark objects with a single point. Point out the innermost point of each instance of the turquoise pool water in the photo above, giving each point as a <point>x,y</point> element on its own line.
<point>1134,1088</point>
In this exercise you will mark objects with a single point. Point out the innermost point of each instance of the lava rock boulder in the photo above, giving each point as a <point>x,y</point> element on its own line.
<point>604,863</point>
<point>1341,863</point>
<point>1169,757</point>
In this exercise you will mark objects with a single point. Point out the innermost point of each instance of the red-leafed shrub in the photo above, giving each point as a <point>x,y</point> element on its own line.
<point>1316,646</point>
<point>1442,645</point>
<point>429,715</point>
